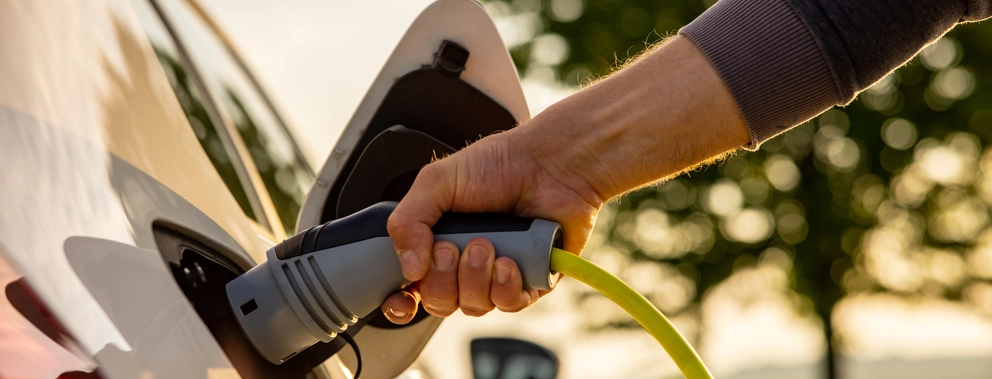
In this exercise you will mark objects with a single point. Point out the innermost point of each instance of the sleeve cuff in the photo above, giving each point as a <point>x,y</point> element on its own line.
<point>770,62</point>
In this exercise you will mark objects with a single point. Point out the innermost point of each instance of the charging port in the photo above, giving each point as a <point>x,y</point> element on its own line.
<point>202,273</point>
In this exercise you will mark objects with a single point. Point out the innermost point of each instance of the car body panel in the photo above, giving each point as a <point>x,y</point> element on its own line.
<point>85,110</point>
<point>387,351</point>
<point>489,69</point>
<point>95,151</point>
<point>27,351</point>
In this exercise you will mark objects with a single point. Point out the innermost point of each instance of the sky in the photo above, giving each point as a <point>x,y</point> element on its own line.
<point>317,58</point>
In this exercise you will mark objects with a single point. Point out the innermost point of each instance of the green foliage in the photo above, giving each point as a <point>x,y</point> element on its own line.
<point>890,193</point>
<point>597,34</point>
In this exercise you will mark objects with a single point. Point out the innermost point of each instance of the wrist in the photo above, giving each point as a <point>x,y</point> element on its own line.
<point>559,144</point>
<point>667,112</point>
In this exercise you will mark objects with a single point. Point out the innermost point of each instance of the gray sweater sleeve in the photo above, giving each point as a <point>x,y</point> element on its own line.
<point>785,61</point>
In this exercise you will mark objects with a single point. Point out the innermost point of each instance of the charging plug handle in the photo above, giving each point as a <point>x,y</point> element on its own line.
<point>322,280</point>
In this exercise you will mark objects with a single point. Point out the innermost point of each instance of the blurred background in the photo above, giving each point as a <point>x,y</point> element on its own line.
<point>857,245</point>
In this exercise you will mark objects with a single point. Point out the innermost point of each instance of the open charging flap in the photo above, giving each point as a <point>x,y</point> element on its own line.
<point>448,83</point>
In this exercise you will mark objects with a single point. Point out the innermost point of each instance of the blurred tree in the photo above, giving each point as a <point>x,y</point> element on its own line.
<point>890,193</point>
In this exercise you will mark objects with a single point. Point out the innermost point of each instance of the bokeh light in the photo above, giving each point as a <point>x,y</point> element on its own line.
<point>861,237</point>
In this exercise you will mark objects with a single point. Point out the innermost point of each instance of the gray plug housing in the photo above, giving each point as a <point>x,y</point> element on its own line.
<point>286,305</point>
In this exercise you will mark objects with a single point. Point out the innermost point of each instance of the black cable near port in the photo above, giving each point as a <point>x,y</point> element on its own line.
<point>358,355</point>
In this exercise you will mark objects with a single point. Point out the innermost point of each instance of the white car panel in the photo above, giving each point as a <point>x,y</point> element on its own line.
<point>95,149</point>
<point>489,70</point>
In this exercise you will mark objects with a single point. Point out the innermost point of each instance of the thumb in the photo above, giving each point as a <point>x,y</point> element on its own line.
<point>410,223</point>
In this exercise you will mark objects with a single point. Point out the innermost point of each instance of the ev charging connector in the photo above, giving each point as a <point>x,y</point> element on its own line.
<point>319,282</point>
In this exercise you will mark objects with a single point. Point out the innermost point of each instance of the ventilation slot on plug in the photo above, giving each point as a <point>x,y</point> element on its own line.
<point>308,305</point>
<point>342,311</point>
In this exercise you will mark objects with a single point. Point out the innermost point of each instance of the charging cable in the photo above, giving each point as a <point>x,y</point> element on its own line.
<point>636,305</point>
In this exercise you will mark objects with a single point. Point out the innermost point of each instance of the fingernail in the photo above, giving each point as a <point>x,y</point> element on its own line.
<point>502,274</point>
<point>477,256</point>
<point>411,262</point>
<point>399,314</point>
<point>443,258</point>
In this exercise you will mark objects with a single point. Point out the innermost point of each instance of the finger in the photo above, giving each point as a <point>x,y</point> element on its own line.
<point>410,223</point>
<point>400,307</point>
<point>508,293</point>
<point>439,289</point>
<point>475,274</point>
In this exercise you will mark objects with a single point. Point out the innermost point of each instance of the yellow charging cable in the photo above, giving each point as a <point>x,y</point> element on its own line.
<point>634,303</point>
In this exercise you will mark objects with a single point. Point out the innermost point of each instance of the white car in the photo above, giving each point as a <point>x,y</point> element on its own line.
<point>142,168</point>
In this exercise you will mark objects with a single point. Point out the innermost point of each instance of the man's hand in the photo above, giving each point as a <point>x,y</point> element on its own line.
<point>666,113</point>
<point>495,174</point>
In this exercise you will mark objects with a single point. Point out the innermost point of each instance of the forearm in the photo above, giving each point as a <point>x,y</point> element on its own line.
<point>668,112</point>
<point>765,66</point>
<point>761,66</point>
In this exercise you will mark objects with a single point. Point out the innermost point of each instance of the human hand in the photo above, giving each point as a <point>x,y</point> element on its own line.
<point>666,113</point>
<point>499,173</point>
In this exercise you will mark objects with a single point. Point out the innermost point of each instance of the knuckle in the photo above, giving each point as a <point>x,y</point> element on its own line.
<point>439,311</point>
<point>512,309</point>
<point>439,284</point>
<point>440,299</point>
<point>512,305</point>
<point>517,302</point>
<point>397,222</point>
<point>431,173</point>
<point>472,311</point>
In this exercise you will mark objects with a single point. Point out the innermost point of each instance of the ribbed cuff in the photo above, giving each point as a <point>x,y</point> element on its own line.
<point>769,60</point>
